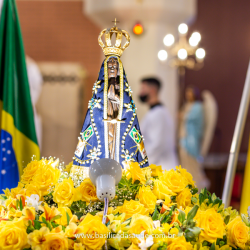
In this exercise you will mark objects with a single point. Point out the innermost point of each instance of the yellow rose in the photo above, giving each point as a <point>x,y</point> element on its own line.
<point>45,177</point>
<point>186,175</point>
<point>161,190</point>
<point>37,237</point>
<point>64,193</point>
<point>136,172</point>
<point>155,170</point>
<point>87,191</point>
<point>92,226</point>
<point>212,224</point>
<point>174,180</point>
<point>30,171</point>
<point>138,224</point>
<point>63,220</point>
<point>237,233</point>
<point>179,243</point>
<point>147,198</point>
<point>55,241</point>
<point>19,190</point>
<point>133,207</point>
<point>13,235</point>
<point>184,198</point>
<point>33,189</point>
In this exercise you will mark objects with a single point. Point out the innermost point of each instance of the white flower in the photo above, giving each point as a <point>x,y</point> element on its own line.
<point>144,244</point>
<point>248,211</point>
<point>33,201</point>
<point>156,223</point>
<point>2,202</point>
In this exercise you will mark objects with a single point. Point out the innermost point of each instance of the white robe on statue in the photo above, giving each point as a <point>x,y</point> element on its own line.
<point>158,131</point>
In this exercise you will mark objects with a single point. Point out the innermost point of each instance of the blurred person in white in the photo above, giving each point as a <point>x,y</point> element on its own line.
<point>157,126</point>
<point>196,128</point>
<point>35,82</point>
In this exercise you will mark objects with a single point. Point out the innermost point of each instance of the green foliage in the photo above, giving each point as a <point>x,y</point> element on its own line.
<point>181,216</point>
<point>68,218</point>
<point>192,213</point>
<point>155,214</point>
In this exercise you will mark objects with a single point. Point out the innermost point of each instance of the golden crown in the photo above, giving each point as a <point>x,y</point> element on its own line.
<point>108,48</point>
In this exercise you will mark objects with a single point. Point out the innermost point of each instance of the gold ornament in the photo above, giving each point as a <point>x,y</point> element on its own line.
<point>108,48</point>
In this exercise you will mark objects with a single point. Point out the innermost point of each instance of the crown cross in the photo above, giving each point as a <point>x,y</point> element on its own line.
<point>115,22</point>
<point>116,49</point>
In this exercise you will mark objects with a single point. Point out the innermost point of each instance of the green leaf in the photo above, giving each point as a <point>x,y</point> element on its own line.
<point>68,218</point>
<point>181,216</point>
<point>137,182</point>
<point>47,223</point>
<point>3,197</point>
<point>192,213</point>
<point>44,221</point>
<point>205,243</point>
<point>195,230</point>
<point>194,200</point>
<point>54,225</point>
<point>17,204</point>
<point>21,204</point>
<point>212,247</point>
<point>227,218</point>
<point>37,224</point>
<point>56,217</point>
<point>155,214</point>
<point>194,191</point>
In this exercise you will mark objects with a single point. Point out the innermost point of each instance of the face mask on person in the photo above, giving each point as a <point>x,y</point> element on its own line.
<point>143,98</point>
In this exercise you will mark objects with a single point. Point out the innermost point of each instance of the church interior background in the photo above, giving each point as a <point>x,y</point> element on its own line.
<point>60,36</point>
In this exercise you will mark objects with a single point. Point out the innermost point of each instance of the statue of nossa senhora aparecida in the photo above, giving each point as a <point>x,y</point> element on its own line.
<point>111,128</point>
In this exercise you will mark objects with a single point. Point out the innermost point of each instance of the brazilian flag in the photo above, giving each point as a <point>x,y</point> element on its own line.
<point>18,142</point>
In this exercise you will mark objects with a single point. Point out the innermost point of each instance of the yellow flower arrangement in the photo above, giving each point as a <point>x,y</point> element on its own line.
<point>152,209</point>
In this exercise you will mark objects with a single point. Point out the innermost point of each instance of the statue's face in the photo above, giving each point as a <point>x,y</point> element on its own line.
<point>112,67</point>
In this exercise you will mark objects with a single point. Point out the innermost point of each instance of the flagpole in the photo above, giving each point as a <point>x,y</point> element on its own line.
<point>236,142</point>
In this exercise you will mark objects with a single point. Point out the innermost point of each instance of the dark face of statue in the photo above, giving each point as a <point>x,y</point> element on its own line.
<point>112,68</point>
